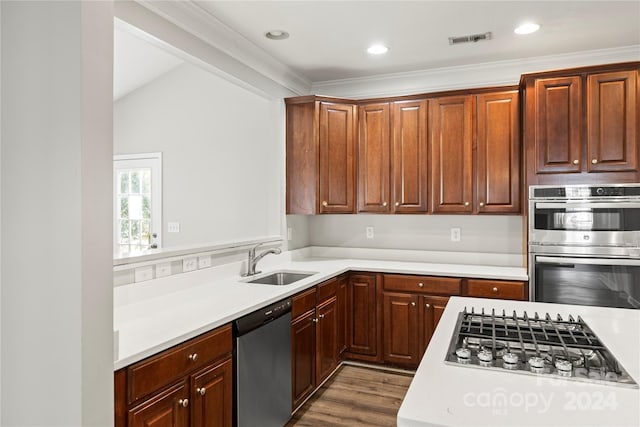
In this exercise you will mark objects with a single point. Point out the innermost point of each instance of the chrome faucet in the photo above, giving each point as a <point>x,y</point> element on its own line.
<point>253,259</point>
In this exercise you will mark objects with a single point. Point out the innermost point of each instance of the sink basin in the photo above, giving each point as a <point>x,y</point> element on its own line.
<point>281,278</point>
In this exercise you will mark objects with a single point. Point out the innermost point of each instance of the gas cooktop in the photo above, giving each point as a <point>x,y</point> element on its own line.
<point>536,346</point>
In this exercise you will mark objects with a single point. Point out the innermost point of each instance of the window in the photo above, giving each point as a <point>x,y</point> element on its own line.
<point>137,202</point>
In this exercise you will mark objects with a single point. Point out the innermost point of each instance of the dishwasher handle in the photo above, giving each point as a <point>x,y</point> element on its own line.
<point>262,316</point>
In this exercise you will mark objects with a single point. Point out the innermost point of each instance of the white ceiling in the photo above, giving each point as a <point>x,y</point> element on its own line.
<point>329,38</point>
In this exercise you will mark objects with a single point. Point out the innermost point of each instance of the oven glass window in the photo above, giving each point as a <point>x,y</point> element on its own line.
<point>587,219</point>
<point>588,284</point>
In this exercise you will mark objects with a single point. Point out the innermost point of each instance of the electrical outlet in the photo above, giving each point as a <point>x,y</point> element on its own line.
<point>369,232</point>
<point>189,264</point>
<point>143,273</point>
<point>173,227</point>
<point>455,234</point>
<point>204,261</point>
<point>163,269</point>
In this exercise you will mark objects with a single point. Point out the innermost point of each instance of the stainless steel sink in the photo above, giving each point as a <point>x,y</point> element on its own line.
<point>281,278</point>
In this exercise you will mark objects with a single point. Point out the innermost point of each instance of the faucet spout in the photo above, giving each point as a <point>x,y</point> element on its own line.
<point>253,259</point>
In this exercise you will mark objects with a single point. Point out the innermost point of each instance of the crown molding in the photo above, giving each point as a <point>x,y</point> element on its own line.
<point>498,73</point>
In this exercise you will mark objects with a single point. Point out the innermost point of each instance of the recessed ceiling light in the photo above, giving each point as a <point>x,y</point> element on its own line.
<point>277,35</point>
<point>377,49</point>
<point>527,28</point>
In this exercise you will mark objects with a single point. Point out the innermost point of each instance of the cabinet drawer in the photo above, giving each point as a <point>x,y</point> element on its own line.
<point>495,289</point>
<point>422,284</point>
<point>151,374</point>
<point>326,291</point>
<point>303,302</point>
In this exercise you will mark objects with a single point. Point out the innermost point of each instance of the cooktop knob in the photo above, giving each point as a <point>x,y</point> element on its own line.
<point>510,361</point>
<point>536,364</point>
<point>563,367</point>
<point>464,355</point>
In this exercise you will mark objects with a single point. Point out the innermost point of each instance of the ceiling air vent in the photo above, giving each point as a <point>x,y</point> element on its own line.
<point>470,38</point>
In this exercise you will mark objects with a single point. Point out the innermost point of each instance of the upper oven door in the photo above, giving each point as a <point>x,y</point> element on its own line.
<point>585,223</point>
<point>604,282</point>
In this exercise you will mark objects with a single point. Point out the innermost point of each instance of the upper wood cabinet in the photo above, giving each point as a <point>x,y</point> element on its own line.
<point>410,165</point>
<point>321,156</point>
<point>581,125</point>
<point>374,158</point>
<point>451,123</point>
<point>497,153</point>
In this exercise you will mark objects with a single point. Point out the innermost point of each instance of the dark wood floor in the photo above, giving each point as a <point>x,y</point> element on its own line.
<point>355,396</point>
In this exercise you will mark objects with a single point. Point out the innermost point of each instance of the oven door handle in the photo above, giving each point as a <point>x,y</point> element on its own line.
<point>589,205</point>
<point>588,261</point>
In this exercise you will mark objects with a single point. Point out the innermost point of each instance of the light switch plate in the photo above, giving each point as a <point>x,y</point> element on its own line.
<point>163,269</point>
<point>204,261</point>
<point>189,264</point>
<point>455,234</point>
<point>143,273</point>
<point>173,227</point>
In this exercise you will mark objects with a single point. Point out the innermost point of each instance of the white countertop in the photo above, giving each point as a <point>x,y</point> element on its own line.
<point>148,325</point>
<point>446,395</point>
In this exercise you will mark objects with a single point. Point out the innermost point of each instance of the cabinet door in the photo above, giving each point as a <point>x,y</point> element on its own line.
<point>169,408</point>
<point>452,154</point>
<point>557,124</point>
<point>498,153</point>
<point>362,315</point>
<point>433,308</point>
<point>401,334</point>
<point>303,354</point>
<point>342,307</point>
<point>410,178</point>
<point>326,340</point>
<point>612,122</point>
<point>374,165</point>
<point>212,391</point>
<point>337,158</point>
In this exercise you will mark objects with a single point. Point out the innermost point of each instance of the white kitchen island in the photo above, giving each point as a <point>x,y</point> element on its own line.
<point>447,395</point>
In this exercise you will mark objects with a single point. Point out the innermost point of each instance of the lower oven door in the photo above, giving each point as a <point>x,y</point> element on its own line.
<point>604,282</point>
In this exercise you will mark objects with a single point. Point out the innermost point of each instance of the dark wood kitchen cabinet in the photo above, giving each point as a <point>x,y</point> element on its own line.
<point>374,158</point>
<point>315,326</point>
<point>363,332</point>
<point>413,306</point>
<point>475,153</point>
<point>581,125</point>
<point>451,142</point>
<point>321,156</point>
<point>183,386</point>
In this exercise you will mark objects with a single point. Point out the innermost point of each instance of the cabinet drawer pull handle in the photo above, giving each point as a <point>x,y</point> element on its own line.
<point>413,304</point>
<point>428,305</point>
<point>466,203</point>
<point>420,285</point>
<point>481,204</point>
<point>494,289</point>
<point>193,357</point>
<point>321,316</point>
<point>201,391</point>
<point>397,203</point>
<point>576,161</point>
<point>183,402</point>
<point>324,203</point>
<point>314,320</point>
<point>384,204</point>
<point>594,161</point>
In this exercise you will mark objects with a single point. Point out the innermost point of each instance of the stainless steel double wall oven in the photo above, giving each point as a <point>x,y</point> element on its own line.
<point>584,244</point>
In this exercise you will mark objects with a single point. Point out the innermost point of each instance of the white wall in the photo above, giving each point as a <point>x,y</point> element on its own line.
<point>222,154</point>
<point>57,299</point>
<point>479,233</point>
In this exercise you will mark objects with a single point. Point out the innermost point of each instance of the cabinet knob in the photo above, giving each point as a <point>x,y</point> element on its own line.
<point>428,305</point>
<point>201,391</point>
<point>576,161</point>
<point>481,204</point>
<point>413,304</point>
<point>466,203</point>
<point>324,203</point>
<point>594,161</point>
<point>321,316</point>
<point>494,289</point>
<point>420,285</point>
<point>193,357</point>
<point>183,402</point>
<point>384,204</point>
<point>397,203</point>
<point>314,320</point>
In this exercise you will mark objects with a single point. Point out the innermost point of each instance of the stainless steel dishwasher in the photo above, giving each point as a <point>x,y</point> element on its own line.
<point>263,366</point>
